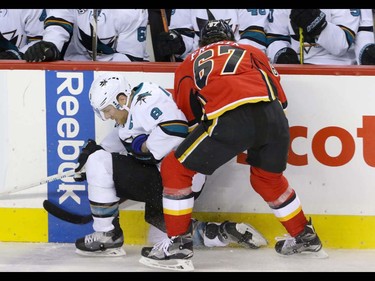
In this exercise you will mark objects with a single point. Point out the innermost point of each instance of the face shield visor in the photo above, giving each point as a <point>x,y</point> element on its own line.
<point>116,104</point>
<point>100,114</point>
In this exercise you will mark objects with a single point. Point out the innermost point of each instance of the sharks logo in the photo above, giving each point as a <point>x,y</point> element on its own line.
<point>11,36</point>
<point>307,47</point>
<point>103,82</point>
<point>142,97</point>
<point>202,22</point>
<point>103,48</point>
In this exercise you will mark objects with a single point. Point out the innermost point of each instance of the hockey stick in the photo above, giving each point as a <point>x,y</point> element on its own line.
<point>94,34</point>
<point>166,29</point>
<point>64,215</point>
<point>42,181</point>
<point>301,42</point>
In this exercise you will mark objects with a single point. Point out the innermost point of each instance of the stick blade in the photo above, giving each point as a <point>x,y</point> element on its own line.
<point>172,264</point>
<point>65,215</point>
<point>113,252</point>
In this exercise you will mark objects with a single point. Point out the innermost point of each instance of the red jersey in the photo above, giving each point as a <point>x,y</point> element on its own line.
<point>223,76</point>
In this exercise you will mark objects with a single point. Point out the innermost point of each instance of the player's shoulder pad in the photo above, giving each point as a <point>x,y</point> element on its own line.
<point>148,93</point>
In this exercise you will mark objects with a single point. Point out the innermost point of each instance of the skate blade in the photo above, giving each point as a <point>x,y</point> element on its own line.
<point>258,240</point>
<point>321,254</point>
<point>172,264</point>
<point>115,252</point>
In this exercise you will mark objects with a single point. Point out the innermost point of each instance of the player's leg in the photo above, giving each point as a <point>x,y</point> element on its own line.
<point>107,238</point>
<point>268,161</point>
<point>198,152</point>
<point>216,234</point>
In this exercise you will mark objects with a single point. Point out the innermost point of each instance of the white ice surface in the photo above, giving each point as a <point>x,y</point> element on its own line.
<point>61,257</point>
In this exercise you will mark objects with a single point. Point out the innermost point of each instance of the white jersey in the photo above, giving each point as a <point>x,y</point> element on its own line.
<point>332,45</point>
<point>22,27</point>
<point>121,33</point>
<point>365,33</point>
<point>152,112</point>
<point>248,25</point>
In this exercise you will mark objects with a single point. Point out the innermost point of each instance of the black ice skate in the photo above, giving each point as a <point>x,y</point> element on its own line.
<point>173,253</point>
<point>307,242</point>
<point>242,234</point>
<point>102,243</point>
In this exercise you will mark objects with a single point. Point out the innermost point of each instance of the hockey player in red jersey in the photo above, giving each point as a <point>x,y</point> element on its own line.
<point>125,165</point>
<point>235,97</point>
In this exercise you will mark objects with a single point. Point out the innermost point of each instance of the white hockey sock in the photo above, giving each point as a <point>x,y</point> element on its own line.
<point>103,224</point>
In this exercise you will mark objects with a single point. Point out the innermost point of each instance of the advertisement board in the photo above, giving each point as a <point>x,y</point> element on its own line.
<point>46,119</point>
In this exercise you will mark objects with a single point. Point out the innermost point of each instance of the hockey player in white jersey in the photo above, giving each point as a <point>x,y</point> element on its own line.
<point>68,35</point>
<point>248,26</point>
<point>327,36</point>
<point>365,41</point>
<point>19,29</point>
<point>126,165</point>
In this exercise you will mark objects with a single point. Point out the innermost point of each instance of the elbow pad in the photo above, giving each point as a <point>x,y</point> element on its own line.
<point>286,56</point>
<point>367,55</point>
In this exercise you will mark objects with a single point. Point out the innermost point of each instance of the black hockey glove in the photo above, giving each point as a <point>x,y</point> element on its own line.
<point>80,177</point>
<point>170,43</point>
<point>286,56</point>
<point>306,37</point>
<point>367,56</point>
<point>88,149</point>
<point>42,51</point>
<point>11,55</point>
<point>312,21</point>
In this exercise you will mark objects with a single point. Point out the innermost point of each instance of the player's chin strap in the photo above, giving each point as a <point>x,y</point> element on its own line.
<point>126,106</point>
<point>129,99</point>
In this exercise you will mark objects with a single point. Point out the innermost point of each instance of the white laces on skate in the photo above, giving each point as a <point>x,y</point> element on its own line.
<point>291,243</point>
<point>169,264</point>
<point>101,244</point>
<point>163,245</point>
<point>289,240</point>
<point>93,237</point>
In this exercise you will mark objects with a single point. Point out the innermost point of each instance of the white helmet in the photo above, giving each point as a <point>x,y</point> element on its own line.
<point>104,91</point>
